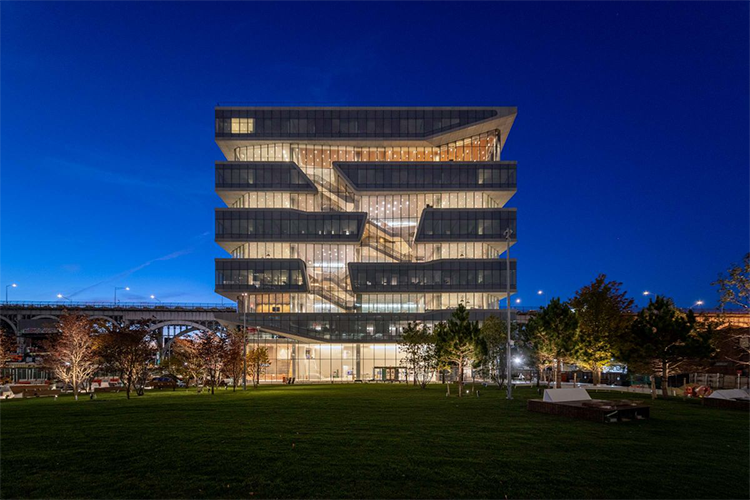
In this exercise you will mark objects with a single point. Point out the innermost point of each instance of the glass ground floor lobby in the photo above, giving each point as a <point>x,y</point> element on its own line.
<point>317,362</point>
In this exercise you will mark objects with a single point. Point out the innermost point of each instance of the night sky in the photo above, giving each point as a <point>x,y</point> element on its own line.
<point>631,136</point>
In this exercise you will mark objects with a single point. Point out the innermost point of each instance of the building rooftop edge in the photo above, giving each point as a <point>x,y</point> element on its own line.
<point>505,108</point>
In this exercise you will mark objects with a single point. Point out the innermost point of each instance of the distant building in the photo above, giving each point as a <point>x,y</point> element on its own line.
<point>344,224</point>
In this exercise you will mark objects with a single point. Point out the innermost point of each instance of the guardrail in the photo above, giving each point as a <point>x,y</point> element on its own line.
<point>213,306</point>
<point>696,310</point>
<point>122,305</point>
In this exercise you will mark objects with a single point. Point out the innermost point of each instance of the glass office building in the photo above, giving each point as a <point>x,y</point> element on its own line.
<point>342,225</point>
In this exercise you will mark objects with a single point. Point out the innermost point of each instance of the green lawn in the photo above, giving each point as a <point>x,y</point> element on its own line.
<point>381,441</point>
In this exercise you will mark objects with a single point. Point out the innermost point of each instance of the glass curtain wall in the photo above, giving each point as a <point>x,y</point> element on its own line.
<point>389,231</point>
<point>310,362</point>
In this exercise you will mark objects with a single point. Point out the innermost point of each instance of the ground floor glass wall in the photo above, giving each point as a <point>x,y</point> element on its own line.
<point>331,362</point>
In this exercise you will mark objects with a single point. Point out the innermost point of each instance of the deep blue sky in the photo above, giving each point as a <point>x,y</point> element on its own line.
<point>631,137</point>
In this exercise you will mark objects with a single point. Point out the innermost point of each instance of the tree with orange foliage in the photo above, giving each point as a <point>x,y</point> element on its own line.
<point>7,347</point>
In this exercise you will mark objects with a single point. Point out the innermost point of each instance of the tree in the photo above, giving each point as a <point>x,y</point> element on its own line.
<point>257,362</point>
<point>554,330</point>
<point>494,333</point>
<point>734,288</point>
<point>409,347</point>
<point>174,366</point>
<point>130,350</point>
<point>538,349</point>
<point>665,341</point>
<point>71,354</point>
<point>7,347</point>
<point>185,359</point>
<point>233,362</point>
<point>418,347</point>
<point>731,341</point>
<point>603,317</point>
<point>211,347</point>
<point>459,342</point>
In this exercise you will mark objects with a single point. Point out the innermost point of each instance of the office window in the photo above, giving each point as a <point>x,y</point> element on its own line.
<point>243,126</point>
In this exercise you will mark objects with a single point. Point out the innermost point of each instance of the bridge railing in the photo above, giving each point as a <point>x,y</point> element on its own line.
<point>192,306</point>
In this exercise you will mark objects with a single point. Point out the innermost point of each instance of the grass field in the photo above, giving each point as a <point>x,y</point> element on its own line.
<point>375,441</point>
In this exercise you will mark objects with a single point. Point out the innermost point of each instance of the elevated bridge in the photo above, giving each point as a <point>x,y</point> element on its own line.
<point>33,321</point>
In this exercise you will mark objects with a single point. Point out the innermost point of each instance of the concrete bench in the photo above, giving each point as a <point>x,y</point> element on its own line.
<point>730,394</point>
<point>563,395</point>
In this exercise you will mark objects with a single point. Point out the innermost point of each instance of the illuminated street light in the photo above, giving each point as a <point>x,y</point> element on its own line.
<point>698,303</point>
<point>518,301</point>
<point>12,285</point>
<point>61,296</point>
<point>509,342</point>
<point>153,297</point>
<point>120,288</point>
<point>244,340</point>
<point>646,292</point>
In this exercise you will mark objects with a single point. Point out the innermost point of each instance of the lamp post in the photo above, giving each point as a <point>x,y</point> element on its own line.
<point>244,342</point>
<point>647,295</point>
<point>153,297</point>
<point>509,343</point>
<point>541,295</point>
<point>120,288</point>
<point>12,285</point>
<point>61,296</point>
<point>697,303</point>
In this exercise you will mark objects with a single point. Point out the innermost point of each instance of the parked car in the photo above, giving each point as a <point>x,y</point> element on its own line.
<point>162,383</point>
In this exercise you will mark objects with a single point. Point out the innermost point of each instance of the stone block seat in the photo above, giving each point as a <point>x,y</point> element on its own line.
<point>732,399</point>
<point>577,403</point>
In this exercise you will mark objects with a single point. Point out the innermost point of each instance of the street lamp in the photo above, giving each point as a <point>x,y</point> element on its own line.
<point>697,303</point>
<point>153,297</point>
<point>509,342</point>
<point>12,285</point>
<point>61,296</point>
<point>244,342</point>
<point>120,288</point>
<point>518,301</point>
<point>646,293</point>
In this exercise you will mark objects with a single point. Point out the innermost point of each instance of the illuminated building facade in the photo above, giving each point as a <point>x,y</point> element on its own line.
<point>344,224</point>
